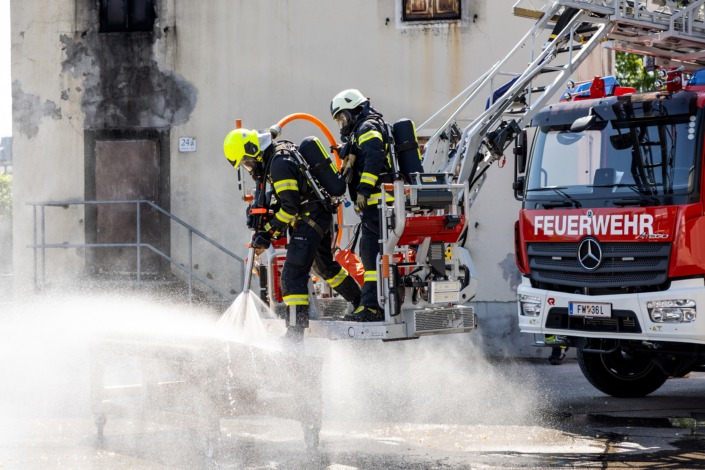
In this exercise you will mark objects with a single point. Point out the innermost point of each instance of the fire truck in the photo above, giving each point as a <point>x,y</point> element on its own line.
<point>608,240</point>
<point>610,236</point>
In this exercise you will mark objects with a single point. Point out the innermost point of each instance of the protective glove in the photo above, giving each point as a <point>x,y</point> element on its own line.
<point>361,202</point>
<point>261,240</point>
<point>252,219</point>
<point>348,163</point>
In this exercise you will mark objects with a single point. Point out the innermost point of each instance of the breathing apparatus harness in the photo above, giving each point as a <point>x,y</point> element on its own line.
<point>369,114</point>
<point>263,209</point>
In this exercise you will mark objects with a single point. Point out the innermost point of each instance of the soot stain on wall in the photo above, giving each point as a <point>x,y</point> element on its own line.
<point>123,86</point>
<point>28,110</point>
<point>510,272</point>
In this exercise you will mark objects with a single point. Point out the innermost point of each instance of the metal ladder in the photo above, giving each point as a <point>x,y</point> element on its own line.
<point>665,31</point>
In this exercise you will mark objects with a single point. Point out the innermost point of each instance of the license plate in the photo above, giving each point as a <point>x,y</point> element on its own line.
<point>581,309</point>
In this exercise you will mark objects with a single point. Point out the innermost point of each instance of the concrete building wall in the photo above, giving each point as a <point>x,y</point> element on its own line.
<point>207,64</point>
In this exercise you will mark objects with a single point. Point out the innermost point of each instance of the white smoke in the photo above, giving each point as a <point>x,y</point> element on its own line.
<point>49,345</point>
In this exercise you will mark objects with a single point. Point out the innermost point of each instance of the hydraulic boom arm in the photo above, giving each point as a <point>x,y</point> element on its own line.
<point>564,35</point>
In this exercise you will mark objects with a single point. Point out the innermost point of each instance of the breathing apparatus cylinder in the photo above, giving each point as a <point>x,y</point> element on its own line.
<point>406,148</point>
<point>322,168</point>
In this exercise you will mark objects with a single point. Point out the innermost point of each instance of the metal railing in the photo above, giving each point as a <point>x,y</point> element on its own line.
<point>40,245</point>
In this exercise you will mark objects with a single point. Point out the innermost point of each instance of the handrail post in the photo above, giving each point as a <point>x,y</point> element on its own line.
<point>44,248</point>
<point>139,244</point>
<point>34,250</point>
<point>190,266</point>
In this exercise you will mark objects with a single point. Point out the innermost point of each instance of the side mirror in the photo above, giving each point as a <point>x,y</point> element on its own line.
<point>518,187</point>
<point>585,122</point>
<point>520,152</point>
<point>621,141</point>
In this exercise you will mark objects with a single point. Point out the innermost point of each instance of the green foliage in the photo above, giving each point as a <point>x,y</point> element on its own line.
<point>630,72</point>
<point>5,194</point>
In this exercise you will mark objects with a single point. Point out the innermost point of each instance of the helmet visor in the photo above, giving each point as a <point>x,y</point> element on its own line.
<point>248,163</point>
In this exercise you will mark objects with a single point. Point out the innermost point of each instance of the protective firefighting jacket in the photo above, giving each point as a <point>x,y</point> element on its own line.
<point>295,195</point>
<point>372,158</point>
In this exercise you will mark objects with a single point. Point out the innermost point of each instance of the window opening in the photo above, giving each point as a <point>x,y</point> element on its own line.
<point>426,10</point>
<point>126,15</point>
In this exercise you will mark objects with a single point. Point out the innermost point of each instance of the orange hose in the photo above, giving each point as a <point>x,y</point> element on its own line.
<point>311,118</point>
<point>331,140</point>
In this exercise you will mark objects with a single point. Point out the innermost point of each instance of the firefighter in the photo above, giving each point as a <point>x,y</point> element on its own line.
<point>557,352</point>
<point>366,166</point>
<point>301,213</point>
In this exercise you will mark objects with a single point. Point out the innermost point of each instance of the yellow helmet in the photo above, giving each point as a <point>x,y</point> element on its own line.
<point>244,147</point>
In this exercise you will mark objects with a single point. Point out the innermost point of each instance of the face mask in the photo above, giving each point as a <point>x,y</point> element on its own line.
<point>248,163</point>
<point>345,122</point>
<point>257,171</point>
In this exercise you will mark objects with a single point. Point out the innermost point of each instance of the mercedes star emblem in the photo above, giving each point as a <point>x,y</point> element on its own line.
<point>590,254</point>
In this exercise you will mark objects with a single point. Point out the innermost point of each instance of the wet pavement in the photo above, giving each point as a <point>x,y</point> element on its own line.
<point>578,428</point>
<point>433,403</point>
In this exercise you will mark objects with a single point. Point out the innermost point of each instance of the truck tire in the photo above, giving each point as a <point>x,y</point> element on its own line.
<point>620,374</point>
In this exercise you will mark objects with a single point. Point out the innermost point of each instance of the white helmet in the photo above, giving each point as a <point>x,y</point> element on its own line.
<point>341,108</point>
<point>346,99</point>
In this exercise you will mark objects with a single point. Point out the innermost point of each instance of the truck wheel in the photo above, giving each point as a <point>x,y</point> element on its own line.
<point>620,374</point>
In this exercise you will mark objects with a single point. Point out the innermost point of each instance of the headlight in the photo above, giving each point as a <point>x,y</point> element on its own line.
<point>530,305</point>
<point>672,311</point>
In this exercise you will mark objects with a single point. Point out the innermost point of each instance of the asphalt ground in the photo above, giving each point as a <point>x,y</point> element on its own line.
<point>432,403</point>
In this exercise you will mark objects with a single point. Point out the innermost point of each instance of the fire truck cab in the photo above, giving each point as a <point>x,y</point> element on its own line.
<point>610,240</point>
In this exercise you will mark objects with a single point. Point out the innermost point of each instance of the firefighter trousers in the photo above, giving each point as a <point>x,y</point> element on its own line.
<point>312,247</point>
<point>369,249</point>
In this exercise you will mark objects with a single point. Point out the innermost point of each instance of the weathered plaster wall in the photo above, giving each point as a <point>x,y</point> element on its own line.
<point>67,78</point>
<point>209,63</point>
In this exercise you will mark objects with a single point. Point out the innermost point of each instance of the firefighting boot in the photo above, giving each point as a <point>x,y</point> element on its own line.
<point>366,313</point>
<point>296,322</point>
<point>350,291</point>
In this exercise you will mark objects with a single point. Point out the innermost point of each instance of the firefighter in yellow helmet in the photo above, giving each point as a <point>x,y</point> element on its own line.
<point>367,166</point>
<point>298,211</point>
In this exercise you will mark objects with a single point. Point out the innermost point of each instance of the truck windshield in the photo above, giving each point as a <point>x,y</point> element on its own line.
<point>639,160</point>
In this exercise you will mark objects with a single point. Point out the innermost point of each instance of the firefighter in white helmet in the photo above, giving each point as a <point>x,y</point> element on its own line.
<point>366,166</point>
<point>300,212</point>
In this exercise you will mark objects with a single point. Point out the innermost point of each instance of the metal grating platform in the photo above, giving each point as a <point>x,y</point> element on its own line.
<point>433,321</point>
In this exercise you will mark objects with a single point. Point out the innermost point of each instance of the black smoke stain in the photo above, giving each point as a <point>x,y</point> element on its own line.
<point>123,86</point>
<point>28,110</point>
<point>510,272</point>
